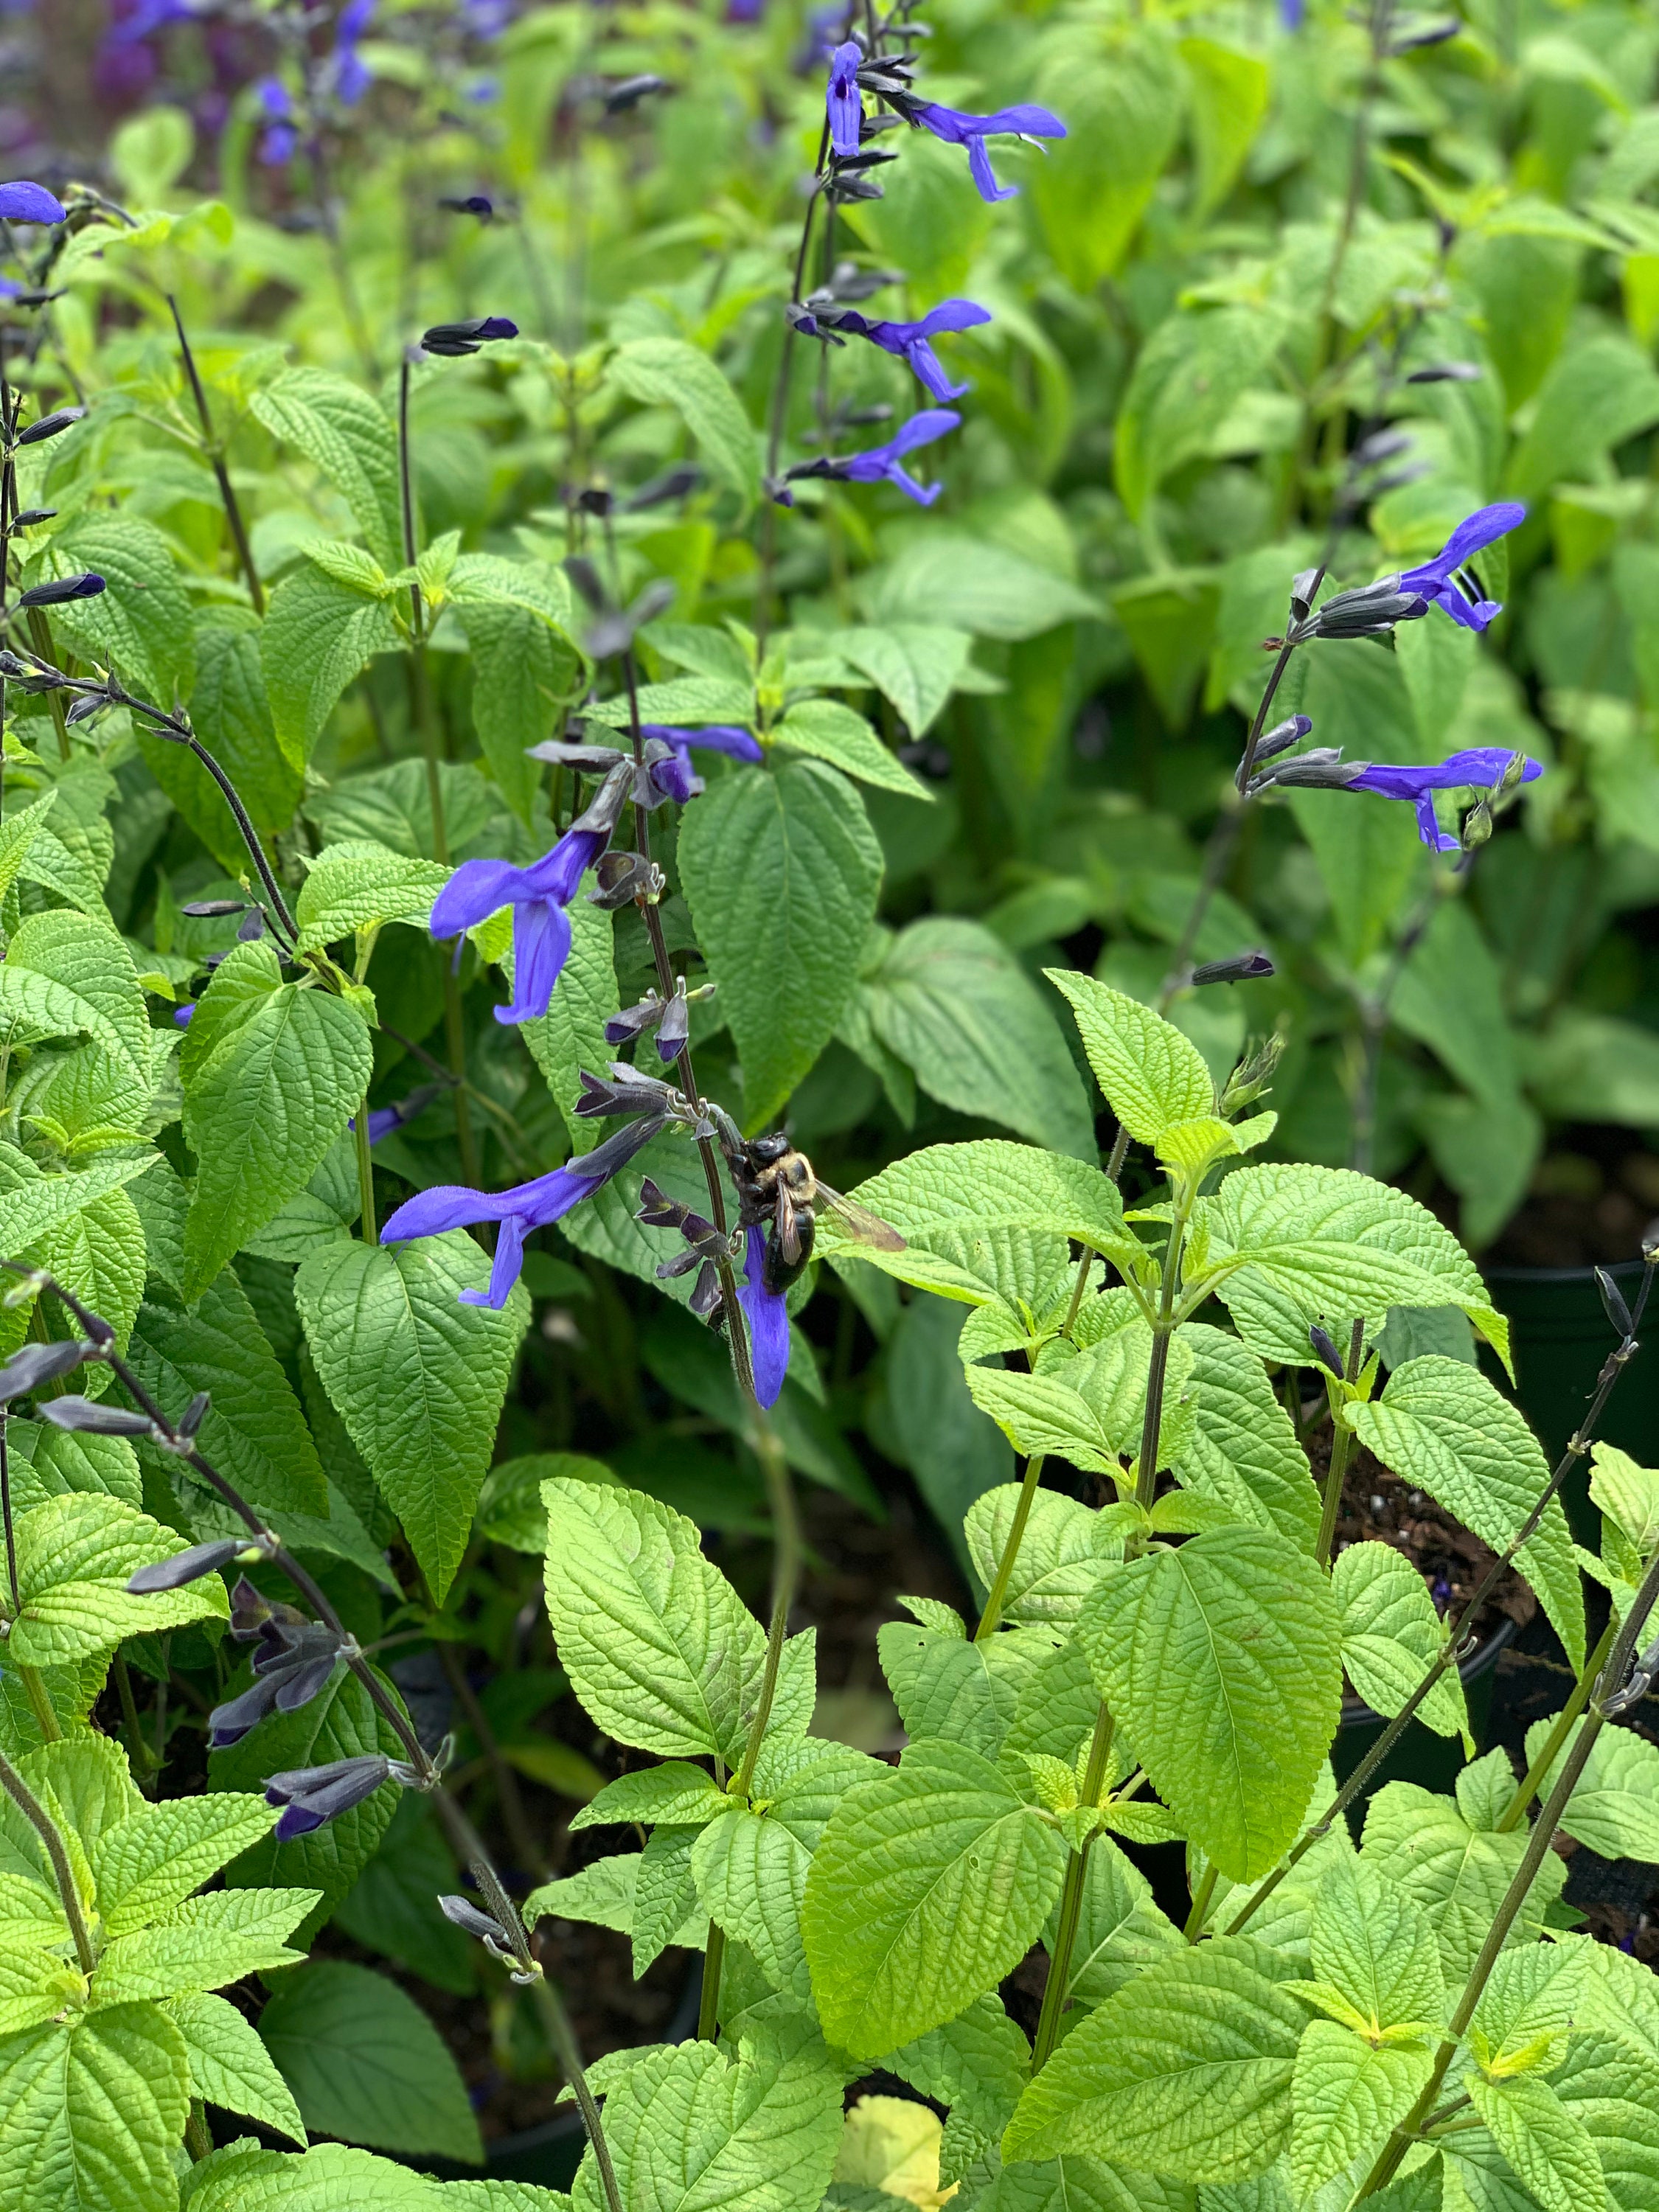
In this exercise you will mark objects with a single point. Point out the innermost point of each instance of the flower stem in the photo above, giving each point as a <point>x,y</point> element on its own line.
<point>215,453</point>
<point>1578,1444</point>
<point>138,1750</point>
<point>46,1828</point>
<point>1528,1788</point>
<point>366,1179</point>
<point>991,1618</point>
<point>1055,1989</point>
<point>1543,1829</point>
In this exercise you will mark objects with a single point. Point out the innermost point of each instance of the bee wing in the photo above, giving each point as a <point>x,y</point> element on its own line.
<point>787,1221</point>
<point>857,1220</point>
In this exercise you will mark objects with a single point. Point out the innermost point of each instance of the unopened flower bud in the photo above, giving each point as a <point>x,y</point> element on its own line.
<point>1446,372</point>
<point>59,592</point>
<point>51,426</point>
<point>186,1566</point>
<point>1613,1303</point>
<point>1325,1346</point>
<point>1241,968</point>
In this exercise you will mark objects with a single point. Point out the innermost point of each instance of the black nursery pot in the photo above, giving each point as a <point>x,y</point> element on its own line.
<point>1559,1338</point>
<point>1432,1761</point>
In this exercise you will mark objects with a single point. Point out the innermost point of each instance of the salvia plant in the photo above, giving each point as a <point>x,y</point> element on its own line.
<point>435,814</point>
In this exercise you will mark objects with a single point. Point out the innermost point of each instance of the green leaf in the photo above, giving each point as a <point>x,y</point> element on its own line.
<point>1221,1659</point>
<point>1153,1076</point>
<point>231,715</point>
<point>1120,1929</point>
<point>1121,91</point>
<point>1549,2146</point>
<point>331,2179</point>
<point>1243,1449</point>
<point>1064,1552</point>
<point>86,957</point>
<point>98,1254</point>
<point>91,2112</point>
<point>318,635</point>
<point>1627,1493</point>
<point>1349,2095</point>
<point>524,668</point>
<point>510,1508</point>
<point>1322,1244</point>
<point>604,1894</point>
<point>75,1554</point>
<point>1228,96</point>
<point>1076,2184</point>
<point>666,372</point>
<point>345,435</point>
<point>1370,1943</point>
<point>33,1007</point>
<point>948,576</point>
<point>1390,1634</point>
<point>1443,1426</point>
<point>141,624</point>
<point>1614,1806</point>
<point>826,730</point>
<point>357,885</point>
<point>144,1866</point>
<point>393,1907</point>
<point>45,1462</point>
<point>231,2068</point>
<point>260,1112</point>
<point>254,1433</point>
<point>1456,1875</point>
<point>1185,2071</point>
<point>945,1686</point>
<point>657,1643</point>
<point>37,1209</point>
<point>1602,391</point>
<point>913,665</point>
<point>751,1874</point>
<point>676,1793</point>
<point>690,2130</point>
<point>781,869</point>
<point>417,1377</point>
<point>1188,378</point>
<point>340,1722</point>
<point>202,1944</point>
<point>366,2064</point>
<point>17,833</point>
<point>954,1004</point>
<point>930,1884</point>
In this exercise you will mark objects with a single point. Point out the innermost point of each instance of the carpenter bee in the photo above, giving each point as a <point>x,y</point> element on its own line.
<point>779,1189</point>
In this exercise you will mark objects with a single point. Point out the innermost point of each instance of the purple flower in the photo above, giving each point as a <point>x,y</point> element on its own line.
<point>537,894</point>
<point>744,11</point>
<point>526,1206</point>
<point>184,1014</point>
<point>486,19</point>
<point>842,101</point>
<point>1291,12</point>
<point>957,129</point>
<point>885,461</point>
<point>768,1318</point>
<point>1483,767</point>
<point>1435,580</point>
<point>352,76</point>
<point>675,777</point>
<point>26,202</point>
<point>909,341</point>
<point>312,1796</point>
<point>146,17</point>
<point>293,1665</point>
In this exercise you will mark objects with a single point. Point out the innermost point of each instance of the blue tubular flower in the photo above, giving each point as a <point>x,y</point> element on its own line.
<point>352,77</point>
<point>909,341</point>
<point>311,1797</point>
<point>842,102</point>
<point>537,894</point>
<point>1482,767</point>
<point>1291,14</point>
<point>27,202</point>
<point>675,776</point>
<point>957,129</point>
<point>526,1206</point>
<point>1434,580</point>
<point>886,461</point>
<point>279,138</point>
<point>768,1318</point>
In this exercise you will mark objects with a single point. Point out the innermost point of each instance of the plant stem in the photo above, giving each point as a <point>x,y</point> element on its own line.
<point>215,455</point>
<point>198,2137</point>
<point>40,638</point>
<point>6,1513</point>
<point>1515,1897</point>
<point>139,1748</point>
<point>365,1173</point>
<point>991,1618</point>
<point>46,1828</point>
<point>1342,1443</point>
<point>1201,1896</point>
<point>514,1816</point>
<point>708,1997</point>
<point>1056,1990</point>
<point>45,1718</point>
<point>1528,1788</point>
<point>1578,1444</point>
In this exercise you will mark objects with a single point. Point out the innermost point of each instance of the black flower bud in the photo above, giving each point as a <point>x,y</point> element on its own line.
<point>1613,1303</point>
<point>91,1419</point>
<point>312,1796</point>
<point>36,1363</point>
<point>32,515</point>
<point>187,1566</point>
<point>51,426</point>
<point>474,203</point>
<point>673,483</point>
<point>1447,371</point>
<point>1241,968</point>
<point>213,909</point>
<point>87,586</point>
<point>619,97</point>
<point>1325,1346</point>
<point>450,341</point>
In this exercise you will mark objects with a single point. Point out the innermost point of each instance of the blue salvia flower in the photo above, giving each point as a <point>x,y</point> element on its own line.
<point>279,137</point>
<point>351,74</point>
<point>1483,768</point>
<point>909,341</point>
<point>886,462</point>
<point>26,202</point>
<point>525,1207</point>
<point>1435,581</point>
<point>675,776</point>
<point>958,129</point>
<point>842,104</point>
<point>768,1318</point>
<point>1291,12</point>
<point>312,1796</point>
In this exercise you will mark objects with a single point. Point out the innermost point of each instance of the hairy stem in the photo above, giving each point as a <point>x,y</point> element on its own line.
<point>1054,1992</point>
<point>46,1828</point>
<point>365,1173</point>
<point>991,1618</point>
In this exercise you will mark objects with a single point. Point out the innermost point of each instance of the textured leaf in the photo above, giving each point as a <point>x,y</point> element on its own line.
<point>826,730</point>
<point>417,1377</point>
<point>1370,1943</point>
<point>1546,2143</point>
<point>91,2112</point>
<point>954,1004</point>
<point>1456,1875</point>
<point>1241,1448</point>
<point>231,715</point>
<point>331,2179</point>
<point>1348,2095</point>
<point>1186,2071</point>
<point>202,1944</point>
<point>930,1884</point>
<point>356,885</point>
<point>668,372</point>
<point>365,2063</point>
<point>657,1643</point>
<point>913,665</point>
<point>86,957</point>
<point>781,869</point>
<point>231,2068</point>
<point>346,434</point>
<point>1120,1929</point>
<point>751,1874</point>
<point>1221,1660</point>
<point>1441,1426</point>
<point>261,1112</point>
<point>318,635</point>
<point>1153,1077</point>
<point>141,624</point>
<point>1062,1553</point>
<point>144,1866</point>
<point>75,1554</point>
<point>1390,1634</point>
<point>524,668</point>
<point>1614,1806</point>
<point>36,1208</point>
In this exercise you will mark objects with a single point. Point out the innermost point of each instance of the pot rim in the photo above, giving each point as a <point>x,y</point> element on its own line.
<point>1507,1274</point>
